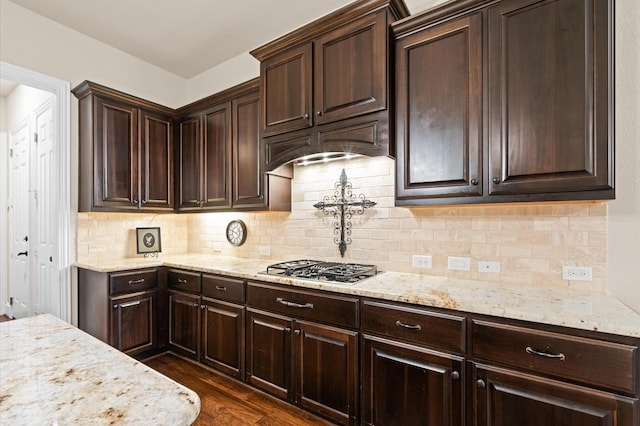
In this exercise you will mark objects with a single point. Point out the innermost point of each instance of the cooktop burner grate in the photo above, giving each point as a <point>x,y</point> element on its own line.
<point>323,271</point>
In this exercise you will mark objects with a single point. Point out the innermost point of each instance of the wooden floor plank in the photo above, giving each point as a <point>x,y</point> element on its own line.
<point>226,401</point>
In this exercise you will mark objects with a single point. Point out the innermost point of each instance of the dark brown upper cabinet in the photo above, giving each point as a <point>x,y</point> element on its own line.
<point>220,165</point>
<point>126,152</point>
<point>508,102</point>
<point>326,86</point>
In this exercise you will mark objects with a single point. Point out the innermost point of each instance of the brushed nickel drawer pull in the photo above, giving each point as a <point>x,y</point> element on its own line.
<point>182,281</point>
<point>129,304</point>
<point>532,351</point>
<point>294,305</point>
<point>221,288</point>
<point>409,326</point>
<point>140,281</point>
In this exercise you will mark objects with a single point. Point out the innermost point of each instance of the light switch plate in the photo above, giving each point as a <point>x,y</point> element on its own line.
<point>265,250</point>
<point>422,261</point>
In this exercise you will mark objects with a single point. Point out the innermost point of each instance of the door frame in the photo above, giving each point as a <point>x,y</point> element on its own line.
<point>62,162</point>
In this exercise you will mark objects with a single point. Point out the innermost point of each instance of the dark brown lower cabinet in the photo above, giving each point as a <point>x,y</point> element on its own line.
<point>502,397</point>
<point>184,320</point>
<point>310,364</point>
<point>133,325</point>
<point>222,336</point>
<point>407,385</point>
<point>204,324</point>
<point>123,308</point>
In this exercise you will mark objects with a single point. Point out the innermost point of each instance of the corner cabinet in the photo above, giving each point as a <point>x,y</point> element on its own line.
<point>507,102</point>
<point>326,86</point>
<point>126,152</point>
<point>220,163</point>
<point>122,309</point>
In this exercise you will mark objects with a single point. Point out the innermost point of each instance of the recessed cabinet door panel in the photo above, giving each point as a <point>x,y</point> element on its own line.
<point>156,161</point>
<point>133,322</point>
<point>549,81</point>
<point>287,91</point>
<point>269,364</point>
<point>116,152</point>
<point>184,319</point>
<point>223,337</point>
<point>409,385</point>
<point>248,160</point>
<point>506,398</point>
<point>217,156</point>
<point>439,111</point>
<point>327,371</point>
<point>349,70</point>
<point>189,183</point>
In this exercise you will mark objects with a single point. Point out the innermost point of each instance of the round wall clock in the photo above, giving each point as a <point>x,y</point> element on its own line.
<point>236,232</point>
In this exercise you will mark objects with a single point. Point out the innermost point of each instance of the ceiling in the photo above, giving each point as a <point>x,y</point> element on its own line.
<point>188,37</point>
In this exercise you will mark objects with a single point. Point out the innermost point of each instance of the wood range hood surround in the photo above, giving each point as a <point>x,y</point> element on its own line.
<point>326,87</point>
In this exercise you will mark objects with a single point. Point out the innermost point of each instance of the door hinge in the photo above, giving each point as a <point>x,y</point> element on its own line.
<point>35,137</point>
<point>10,152</point>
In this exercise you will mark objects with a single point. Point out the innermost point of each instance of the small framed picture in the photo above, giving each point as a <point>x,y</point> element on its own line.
<point>148,240</point>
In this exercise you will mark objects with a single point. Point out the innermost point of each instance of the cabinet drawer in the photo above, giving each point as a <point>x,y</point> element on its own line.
<point>228,289</point>
<point>592,361</point>
<point>184,280</point>
<point>132,281</point>
<point>414,325</point>
<point>337,310</point>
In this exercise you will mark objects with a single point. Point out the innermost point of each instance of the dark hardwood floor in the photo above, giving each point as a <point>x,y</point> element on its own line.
<point>225,401</point>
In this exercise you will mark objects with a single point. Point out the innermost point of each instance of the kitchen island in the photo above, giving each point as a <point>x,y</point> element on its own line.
<point>52,373</point>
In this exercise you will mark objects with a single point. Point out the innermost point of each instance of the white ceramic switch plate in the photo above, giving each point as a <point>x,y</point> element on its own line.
<point>459,263</point>
<point>421,261</point>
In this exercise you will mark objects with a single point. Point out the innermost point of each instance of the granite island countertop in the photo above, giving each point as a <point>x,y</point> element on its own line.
<point>55,374</point>
<point>568,307</point>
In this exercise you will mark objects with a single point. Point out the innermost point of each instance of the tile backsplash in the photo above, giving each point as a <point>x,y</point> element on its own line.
<point>531,241</point>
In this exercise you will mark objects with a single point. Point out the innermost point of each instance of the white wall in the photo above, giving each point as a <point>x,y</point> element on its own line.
<point>234,71</point>
<point>21,102</point>
<point>623,263</point>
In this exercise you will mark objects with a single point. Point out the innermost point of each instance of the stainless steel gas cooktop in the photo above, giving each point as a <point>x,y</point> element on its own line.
<point>347,273</point>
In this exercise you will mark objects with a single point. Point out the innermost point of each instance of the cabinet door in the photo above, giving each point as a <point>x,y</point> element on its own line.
<point>269,361</point>
<point>350,69</point>
<point>504,398</point>
<point>156,161</point>
<point>115,155</point>
<point>189,186</point>
<point>217,156</point>
<point>133,319</point>
<point>184,320</point>
<point>249,178</point>
<point>223,337</point>
<point>408,385</point>
<point>286,88</point>
<point>439,111</point>
<point>327,371</point>
<point>550,96</point>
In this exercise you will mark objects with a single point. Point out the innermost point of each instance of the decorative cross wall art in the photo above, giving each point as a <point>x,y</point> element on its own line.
<point>342,205</point>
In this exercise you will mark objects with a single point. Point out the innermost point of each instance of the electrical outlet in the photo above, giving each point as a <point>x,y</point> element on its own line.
<point>217,246</point>
<point>577,273</point>
<point>265,250</point>
<point>487,266</point>
<point>459,263</point>
<point>420,261</point>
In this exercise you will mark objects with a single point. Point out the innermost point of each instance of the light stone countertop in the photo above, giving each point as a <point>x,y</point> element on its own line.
<point>52,373</point>
<point>585,310</point>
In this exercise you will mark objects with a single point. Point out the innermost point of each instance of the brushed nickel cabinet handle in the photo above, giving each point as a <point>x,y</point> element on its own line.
<point>409,326</point>
<point>129,304</point>
<point>182,281</point>
<point>532,351</point>
<point>455,375</point>
<point>481,384</point>
<point>496,180</point>
<point>293,304</point>
<point>221,288</point>
<point>140,281</point>
<point>474,181</point>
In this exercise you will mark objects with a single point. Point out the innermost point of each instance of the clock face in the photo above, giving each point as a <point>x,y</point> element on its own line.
<point>236,232</point>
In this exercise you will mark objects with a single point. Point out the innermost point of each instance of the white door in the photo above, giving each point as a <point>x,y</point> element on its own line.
<point>47,286</point>
<point>19,291</point>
